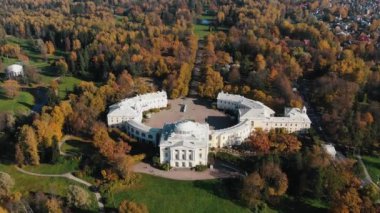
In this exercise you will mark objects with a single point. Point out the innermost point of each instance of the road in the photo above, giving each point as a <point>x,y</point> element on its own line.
<point>196,74</point>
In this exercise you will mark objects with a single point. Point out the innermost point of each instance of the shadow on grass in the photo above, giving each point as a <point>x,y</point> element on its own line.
<point>79,148</point>
<point>290,205</point>
<point>227,189</point>
<point>29,106</point>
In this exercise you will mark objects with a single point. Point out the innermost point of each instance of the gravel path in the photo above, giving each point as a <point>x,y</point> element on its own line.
<point>367,180</point>
<point>185,174</point>
<point>68,175</point>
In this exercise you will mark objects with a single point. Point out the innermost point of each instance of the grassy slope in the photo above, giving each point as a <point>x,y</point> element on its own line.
<point>22,103</point>
<point>67,84</point>
<point>63,166</point>
<point>373,166</point>
<point>163,195</point>
<point>203,30</point>
<point>57,186</point>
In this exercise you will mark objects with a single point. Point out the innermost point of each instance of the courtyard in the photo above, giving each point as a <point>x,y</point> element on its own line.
<point>199,110</point>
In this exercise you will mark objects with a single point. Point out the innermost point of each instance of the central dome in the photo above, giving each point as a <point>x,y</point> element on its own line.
<point>186,126</point>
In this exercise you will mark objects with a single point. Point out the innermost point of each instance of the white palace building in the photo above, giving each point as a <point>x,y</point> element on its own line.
<point>186,143</point>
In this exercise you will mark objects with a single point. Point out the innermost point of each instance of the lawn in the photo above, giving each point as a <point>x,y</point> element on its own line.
<point>373,167</point>
<point>77,147</point>
<point>64,165</point>
<point>36,60</point>
<point>67,84</point>
<point>290,204</point>
<point>202,30</point>
<point>202,26</point>
<point>163,195</point>
<point>20,104</point>
<point>54,185</point>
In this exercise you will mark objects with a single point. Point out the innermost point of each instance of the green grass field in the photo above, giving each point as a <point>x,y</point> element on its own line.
<point>163,195</point>
<point>65,164</point>
<point>373,167</point>
<point>24,102</point>
<point>67,84</point>
<point>53,185</point>
<point>203,29</point>
<point>20,104</point>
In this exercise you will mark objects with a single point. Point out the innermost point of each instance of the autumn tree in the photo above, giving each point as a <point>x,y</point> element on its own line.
<point>107,146</point>
<point>125,83</point>
<point>262,185</point>
<point>284,142</point>
<point>50,49</point>
<point>31,75</point>
<point>276,181</point>
<point>78,197</point>
<point>76,44</point>
<point>123,164</point>
<point>253,187</point>
<point>6,184</point>
<point>61,66</point>
<point>28,146</point>
<point>260,62</point>
<point>127,206</point>
<point>213,83</point>
<point>54,205</point>
<point>11,88</point>
<point>259,141</point>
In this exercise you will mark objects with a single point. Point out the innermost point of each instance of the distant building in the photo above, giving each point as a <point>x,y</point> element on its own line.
<point>184,144</point>
<point>14,70</point>
<point>330,149</point>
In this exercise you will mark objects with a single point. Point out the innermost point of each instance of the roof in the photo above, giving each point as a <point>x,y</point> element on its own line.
<point>15,68</point>
<point>247,108</point>
<point>185,133</point>
<point>132,107</point>
<point>255,110</point>
<point>142,127</point>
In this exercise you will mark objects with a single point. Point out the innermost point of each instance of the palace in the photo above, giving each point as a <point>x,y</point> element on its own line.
<point>185,143</point>
<point>254,115</point>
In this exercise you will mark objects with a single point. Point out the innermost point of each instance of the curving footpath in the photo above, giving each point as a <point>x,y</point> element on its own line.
<point>367,180</point>
<point>69,176</point>
<point>66,138</point>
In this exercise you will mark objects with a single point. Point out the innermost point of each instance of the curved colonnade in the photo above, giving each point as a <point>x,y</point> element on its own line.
<point>186,143</point>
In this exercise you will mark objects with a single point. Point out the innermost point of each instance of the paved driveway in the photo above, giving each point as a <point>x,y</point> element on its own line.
<point>185,174</point>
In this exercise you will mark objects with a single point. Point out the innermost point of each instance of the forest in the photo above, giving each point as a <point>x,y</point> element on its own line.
<point>282,53</point>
